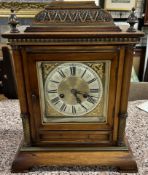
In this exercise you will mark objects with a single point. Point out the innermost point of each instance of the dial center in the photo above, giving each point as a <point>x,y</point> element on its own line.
<point>73,89</point>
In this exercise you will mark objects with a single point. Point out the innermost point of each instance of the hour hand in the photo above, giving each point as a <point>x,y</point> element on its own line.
<point>79,92</point>
<point>78,99</point>
<point>74,92</point>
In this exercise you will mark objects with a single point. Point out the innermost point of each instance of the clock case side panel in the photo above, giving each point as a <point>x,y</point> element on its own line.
<point>118,93</point>
<point>31,97</point>
<point>128,61</point>
<point>22,94</point>
<point>34,54</point>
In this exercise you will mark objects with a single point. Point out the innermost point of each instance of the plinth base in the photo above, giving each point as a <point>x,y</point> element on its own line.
<point>29,157</point>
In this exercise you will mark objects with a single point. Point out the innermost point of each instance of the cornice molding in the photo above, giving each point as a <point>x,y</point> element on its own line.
<point>74,41</point>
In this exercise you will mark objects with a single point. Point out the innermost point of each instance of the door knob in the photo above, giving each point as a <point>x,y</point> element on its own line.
<point>33,96</point>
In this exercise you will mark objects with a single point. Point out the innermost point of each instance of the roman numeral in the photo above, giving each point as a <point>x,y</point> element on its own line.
<point>91,100</point>
<point>94,90</point>
<point>63,107</point>
<point>73,70</point>
<point>83,73</point>
<point>91,81</point>
<point>62,74</point>
<point>52,91</point>
<point>54,81</point>
<point>55,100</point>
<point>74,110</point>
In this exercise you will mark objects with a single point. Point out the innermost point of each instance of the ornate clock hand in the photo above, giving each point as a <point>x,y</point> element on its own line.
<point>78,99</point>
<point>80,92</point>
<point>85,95</point>
<point>74,92</point>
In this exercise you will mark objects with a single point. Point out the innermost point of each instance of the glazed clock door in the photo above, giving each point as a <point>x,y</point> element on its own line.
<point>72,97</point>
<point>73,91</point>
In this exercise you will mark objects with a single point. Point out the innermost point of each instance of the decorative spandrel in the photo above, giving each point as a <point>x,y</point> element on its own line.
<point>74,91</point>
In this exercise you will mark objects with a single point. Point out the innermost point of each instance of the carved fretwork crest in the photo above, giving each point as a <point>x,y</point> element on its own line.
<point>73,16</point>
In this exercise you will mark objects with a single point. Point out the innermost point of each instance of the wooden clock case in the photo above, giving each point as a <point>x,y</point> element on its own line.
<point>73,32</point>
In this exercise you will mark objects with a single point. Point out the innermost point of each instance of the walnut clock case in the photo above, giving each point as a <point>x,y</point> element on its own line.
<point>73,70</point>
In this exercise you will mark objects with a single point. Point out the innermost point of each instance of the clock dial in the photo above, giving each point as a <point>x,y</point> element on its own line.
<point>73,89</point>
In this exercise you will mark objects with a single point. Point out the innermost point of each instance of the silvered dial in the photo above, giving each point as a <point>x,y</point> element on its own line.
<point>73,89</point>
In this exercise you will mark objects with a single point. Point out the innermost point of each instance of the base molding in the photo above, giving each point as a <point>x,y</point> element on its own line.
<point>109,156</point>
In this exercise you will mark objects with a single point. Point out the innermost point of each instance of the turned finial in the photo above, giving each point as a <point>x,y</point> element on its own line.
<point>132,20</point>
<point>13,22</point>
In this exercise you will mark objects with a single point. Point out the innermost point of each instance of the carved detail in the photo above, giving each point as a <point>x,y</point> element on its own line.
<point>72,40</point>
<point>73,16</point>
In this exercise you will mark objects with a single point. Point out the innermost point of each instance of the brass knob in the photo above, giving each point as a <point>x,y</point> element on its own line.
<point>5,77</point>
<point>34,97</point>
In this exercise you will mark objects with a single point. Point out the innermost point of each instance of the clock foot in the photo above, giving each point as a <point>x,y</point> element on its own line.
<point>127,170</point>
<point>117,157</point>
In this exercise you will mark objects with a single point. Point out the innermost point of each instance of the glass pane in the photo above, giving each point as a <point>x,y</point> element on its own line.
<point>73,91</point>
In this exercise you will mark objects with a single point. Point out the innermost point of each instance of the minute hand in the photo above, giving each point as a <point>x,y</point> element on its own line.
<point>85,94</point>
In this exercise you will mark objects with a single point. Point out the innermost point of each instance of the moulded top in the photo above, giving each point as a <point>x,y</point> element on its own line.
<point>73,16</point>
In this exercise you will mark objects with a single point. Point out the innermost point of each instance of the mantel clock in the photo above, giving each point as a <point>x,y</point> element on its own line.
<point>73,68</point>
